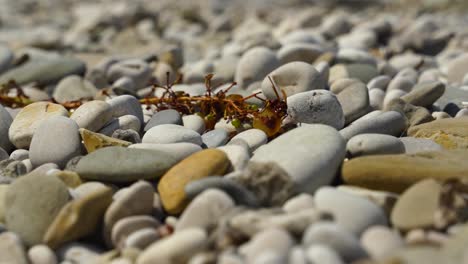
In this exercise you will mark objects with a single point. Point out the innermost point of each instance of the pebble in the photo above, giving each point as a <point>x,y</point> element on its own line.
<point>79,218</point>
<point>56,140</point>
<point>19,154</point>
<point>3,154</point>
<point>194,122</point>
<point>73,88</point>
<point>299,52</point>
<point>215,138</point>
<point>381,242</point>
<point>13,251</point>
<point>380,82</point>
<point>3,191</point>
<point>253,137</point>
<point>93,141</point>
<point>384,200</point>
<point>294,77</point>
<point>456,68</point>
<point>177,248</point>
<point>30,218</point>
<point>92,115</point>
<point>422,197</point>
<point>28,120</point>
<point>205,210</point>
<point>337,238</point>
<point>76,252</point>
<point>299,202</point>
<point>169,133</point>
<point>269,240</point>
<point>119,164</point>
<point>254,65</point>
<point>136,200</point>
<point>415,145</point>
<point>124,227</point>
<point>374,144</point>
<point>169,116</point>
<point>313,155</point>
<point>352,212</point>
<point>239,156</point>
<point>424,94</point>
<point>450,133</point>
<point>126,105</point>
<point>397,173</point>
<point>142,238</point>
<point>389,123</point>
<point>42,254</point>
<point>376,98</point>
<point>354,100</point>
<point>415,114</point>
<point>400,83</point>
<point>128,135</point>
<point>316,107</point>
<point>202,164</point>
<point>137,70</point>
<point>5,122</point>
<point>318,253</point>
<point>6,58</point>
<point>363,72</point>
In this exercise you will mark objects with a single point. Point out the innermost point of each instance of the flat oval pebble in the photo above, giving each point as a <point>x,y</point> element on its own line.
<point>128,225</point>
<point>253,137</point>
<point>322,254</point>
<point>119,164</point>
<point>354,101</point>
<point>351,212</point>
<point>28,120</point>
<point>78,218</point>
<point>177,150</point>
<point>194,122</point>
<point>310,155</point>
<point>294,77</point>
<point>42,254</point>
<point>202,164</point>
<point>215,138</point>
<point>30,218</point>
<point>123,123</point>
<point>254,65</point>
<point>176,248</point>
<point>142,238</point>
<point>56,140</point>
<point>374,144</point>
<point>381,241</point>
<point>126,105</point>
<point>425,94</point>
<point>271,239</point>
<point>92,115</point>
<point>73,88</point>
<point>169,116</point>
<point>451,133</point>
<point>299,52</point>
<point>415,145</point>
<point>337,238</point>
<point>205,210</point>
<point>316,107</point>
<point>169,133</point>
<point>395,173</point>
<point>390,123</point>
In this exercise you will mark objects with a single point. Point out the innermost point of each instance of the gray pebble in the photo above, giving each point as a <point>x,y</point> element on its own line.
<point>215,138</point>
<point>390,123</point>
<point>126,105</point>
<point>253,137</point>
<point>194,122</point>
<point>130,224</point>
<point>254,65</point>
<point>142,238</point>
<point>42,254</point>
<point>374,144</point>
<point>5,122</point>
<point>124,122</point>
<point>323,254</point>
<point>138,70</point>
<point>415,145</point>
<point>73,88</point>
<point>169,133</point>
<point>92,115</point>
<point>169,116</point>
<point>19,154</point>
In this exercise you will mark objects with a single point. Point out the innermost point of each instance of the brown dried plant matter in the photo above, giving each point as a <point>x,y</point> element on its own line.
<point>212,106</point>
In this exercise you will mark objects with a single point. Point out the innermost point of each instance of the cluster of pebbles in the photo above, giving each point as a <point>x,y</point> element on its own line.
<point>371,166</point>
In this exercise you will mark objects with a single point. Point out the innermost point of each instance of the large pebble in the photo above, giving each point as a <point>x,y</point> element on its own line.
<point>194,122</point>
<point>350,211</point>
<point>137,70</point>
<point>42,254</point>
<point>177,248</point>
<point>363,72</point>
<point>178,150</point>
<point>323,254</point>
<point>92,115</point>
<point>294,77</point>
<point>123,123</point>
<point>269,240</point>
<point>12,249</point>
<point>31,204</point>
<point>299,52</point>
<point>215,138</point>
<point>381,241</point>
<point>415,145</point>
<point>354,100</point>
<point>5,122</point>
<point>310,155</point>
<point>425,94</point>
<point>56,140</point>
<point>169,116</point>
<point>450,133</point>
<point>456,68</point>
<point>337,238</point>
<point>202,164</point>
<point>422,198</point>
<point>119,164</point>
<point>73,88</point>
<point>78,218</point>
<point>254,65</point>
<point>128,225</point>
<point>316,107</point>
<point>374,144</point>
<point>169,133</point>
<point>253,137</point>
<point>205,210</point>
<point>395,173</point>
<point>28,120</point>
<point>126,105</point>
<point>390,123</point>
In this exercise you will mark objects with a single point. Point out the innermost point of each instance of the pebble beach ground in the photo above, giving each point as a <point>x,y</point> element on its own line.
<point>231,132</point>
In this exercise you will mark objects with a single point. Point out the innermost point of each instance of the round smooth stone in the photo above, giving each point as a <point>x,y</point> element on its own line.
<point>425,94</point>
<point>168,116</point>
<point>254,65</point>
<point>215,138</point>
<point>323,254</point>
<point>5,122</point>
<point>92,115</point>
<point>316,107</point>
<point>126,105</point>
<point>169,133</point>
<point>142,238</point>
<point>299,52</point>
<point>310,155</point>
<point>19,154</point>
<point>376,98</point>
<point>194,122</point>
<point>137,70</point>
<point>123,123</point>
<point>179,151</point>
<point>56,140</point>
<point>415,145</point>
<point>337,238</point>
<point>354,101</point>
<point>292,78</point>
<point>13,250</point>
<point>381,241</point>
<point>374,144</point>
<point>270,239</point>
<point>28,120</point>
<point>31,204</point>
<point>299,202</point>
<point>253,137</point>
<point>380,82</point>
<point>130,224</point>
<point>42,254</point>
<point>73,88</point>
